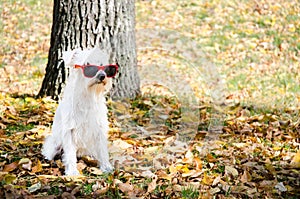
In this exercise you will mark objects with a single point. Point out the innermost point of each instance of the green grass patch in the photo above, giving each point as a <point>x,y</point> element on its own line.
<point>11,129</point>
<point>190,192</point>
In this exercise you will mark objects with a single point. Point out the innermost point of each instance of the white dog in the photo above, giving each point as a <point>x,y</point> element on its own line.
<point>80,124</point>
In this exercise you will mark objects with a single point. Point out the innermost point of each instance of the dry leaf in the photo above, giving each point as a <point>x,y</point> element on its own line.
<point>296,160</point>
<point>38,167</point>
<point>125,187</point>
<point>211,158</point>
<point>152,185</point>
<point>10,167</point>
<point>231,170</point>
<point>281,187</point>
<point>198,163</point>
<point>246,177</point>
<point>34,187</point>
<point>9,178</point>
<point>207,180</point>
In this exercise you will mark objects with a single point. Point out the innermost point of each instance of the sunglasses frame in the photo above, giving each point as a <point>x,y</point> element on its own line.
<point>99,68</point>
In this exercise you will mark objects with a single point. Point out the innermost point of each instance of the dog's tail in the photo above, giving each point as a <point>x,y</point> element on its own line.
<point>51,147</point>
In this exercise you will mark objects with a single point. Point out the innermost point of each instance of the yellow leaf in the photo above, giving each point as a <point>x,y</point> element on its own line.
<point>296,160</point>
<point>270,167</point>
<point>173,169</point>
<point>185,169</point>
<point>207,180</point>
<point>163,175</point>
<point>38,167</point>
<point>277,148</point>
<point>24,161</point>
<point>239,145</point>
<point>8,178</point>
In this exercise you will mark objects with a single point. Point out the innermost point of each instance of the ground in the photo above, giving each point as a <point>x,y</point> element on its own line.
<point>218,116</point>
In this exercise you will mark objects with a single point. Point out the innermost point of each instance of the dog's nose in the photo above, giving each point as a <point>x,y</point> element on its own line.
<point>101,76</point>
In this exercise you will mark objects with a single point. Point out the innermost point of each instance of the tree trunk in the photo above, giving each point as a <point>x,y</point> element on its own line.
<point>107,24</point>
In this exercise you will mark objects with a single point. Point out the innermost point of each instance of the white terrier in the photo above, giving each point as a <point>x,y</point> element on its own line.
<point>80,124</point>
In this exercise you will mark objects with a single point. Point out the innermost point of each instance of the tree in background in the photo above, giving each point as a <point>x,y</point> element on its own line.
<point>107,24</point>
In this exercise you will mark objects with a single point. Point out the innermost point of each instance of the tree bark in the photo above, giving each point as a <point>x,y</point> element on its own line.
<point>107,24</point>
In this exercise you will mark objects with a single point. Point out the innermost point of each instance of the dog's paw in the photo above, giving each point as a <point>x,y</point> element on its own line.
<point>72,172</point>
<point>48,154</point>
<point>106,168</point>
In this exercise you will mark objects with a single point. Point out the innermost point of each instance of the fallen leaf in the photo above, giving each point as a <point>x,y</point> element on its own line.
<point>147,174</point>
<point>152,185</point>
<point>177,188</point>
<point>188,157</point>
<point>198,163</point>
<point>38,167</point>
<point>207,180</point>
<point>26,163</point>
<point>214,190</point>
<point>161,174</point>
<point>231,171</point>
<point>210,158</point>
<point>281,187</point>
<point>173,169</point>
<point>121,144</point>
<point>246,177</point>
<point>34,187</point>
<point>252,191</point>
<point>95,170</point>
<point>10,167</point>
<point>216,181</point>
<point>67,195</point>
<point>9,178</point>
<point>239,145</point>
<point>295,163</point>
<point>125,187</point>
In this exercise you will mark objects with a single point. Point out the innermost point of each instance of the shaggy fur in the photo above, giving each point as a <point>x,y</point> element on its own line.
<point>80,124</point>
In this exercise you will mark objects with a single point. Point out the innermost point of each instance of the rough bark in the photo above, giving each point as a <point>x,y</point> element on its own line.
<point>108,24</point>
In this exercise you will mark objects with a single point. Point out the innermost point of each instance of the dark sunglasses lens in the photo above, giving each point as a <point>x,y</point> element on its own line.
<point>110,70</point>
<point>90,71</point>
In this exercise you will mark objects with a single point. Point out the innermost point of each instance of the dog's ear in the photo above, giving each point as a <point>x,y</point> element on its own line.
<point>69,57</point>
<point>78,56</point>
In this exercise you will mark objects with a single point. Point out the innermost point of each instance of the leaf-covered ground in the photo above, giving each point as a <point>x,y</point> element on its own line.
<point>245,53</point>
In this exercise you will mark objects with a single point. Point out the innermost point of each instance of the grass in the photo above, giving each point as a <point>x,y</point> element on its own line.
<point>235,36</point>
<point>190,192</point>
<point>253,46</point>
<point>25,31</point>
<point>18,128</point>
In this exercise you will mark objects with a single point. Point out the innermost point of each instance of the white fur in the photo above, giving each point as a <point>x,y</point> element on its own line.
<point>80,124</point>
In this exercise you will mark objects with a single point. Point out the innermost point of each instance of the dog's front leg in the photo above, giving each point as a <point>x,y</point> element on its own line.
<point>105,165</point>
<point>69,156</point>
<point>103,155</point>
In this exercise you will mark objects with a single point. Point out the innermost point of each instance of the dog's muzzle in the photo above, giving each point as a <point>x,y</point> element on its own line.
<point>101,76</point>
<point>98,79</point>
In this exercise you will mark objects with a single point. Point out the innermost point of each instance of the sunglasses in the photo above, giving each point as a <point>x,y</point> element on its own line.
<point>91,70</point>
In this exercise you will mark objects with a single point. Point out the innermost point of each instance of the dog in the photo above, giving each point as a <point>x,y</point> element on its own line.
<point>80,123</point>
